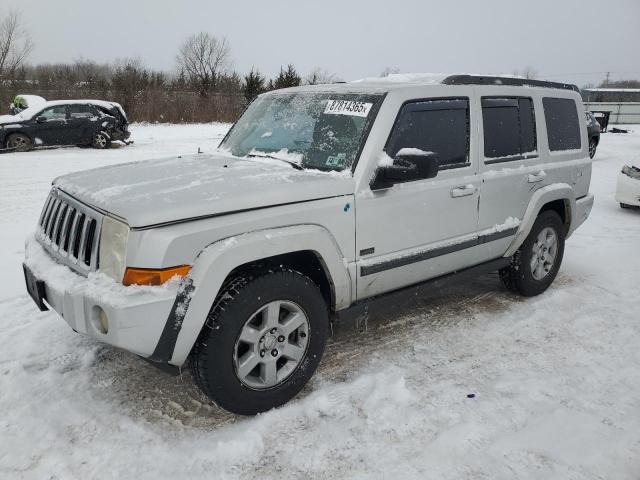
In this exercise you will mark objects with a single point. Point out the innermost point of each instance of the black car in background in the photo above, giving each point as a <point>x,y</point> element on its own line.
<point>93,123</point>
<point>593,133</point>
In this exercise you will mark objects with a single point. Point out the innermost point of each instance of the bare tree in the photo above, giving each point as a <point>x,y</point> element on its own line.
<point>319,76</point>
<point>389,71</point>
<point>15,43</point>
<point>527,72</point>
<point>204,58</point>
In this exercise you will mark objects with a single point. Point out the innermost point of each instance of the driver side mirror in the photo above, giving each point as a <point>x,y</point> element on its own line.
<point>41,119</point>
<point>409,164</point>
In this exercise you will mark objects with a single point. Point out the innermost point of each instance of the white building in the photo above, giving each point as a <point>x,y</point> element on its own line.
<point>623,103</point>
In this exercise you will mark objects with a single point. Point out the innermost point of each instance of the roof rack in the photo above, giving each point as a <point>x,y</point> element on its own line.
<point>511,81</point>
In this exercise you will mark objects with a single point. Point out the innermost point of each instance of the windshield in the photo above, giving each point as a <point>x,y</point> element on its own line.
<point>315,130</point>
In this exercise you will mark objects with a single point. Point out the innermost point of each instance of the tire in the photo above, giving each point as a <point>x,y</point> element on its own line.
<point>593,145</point>
<point>101,141</point>
<point>531,272</point>
<point>20,142</point>
<point>241,312</point>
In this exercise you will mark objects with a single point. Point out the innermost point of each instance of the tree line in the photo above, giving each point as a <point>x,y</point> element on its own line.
<point>203,87</point>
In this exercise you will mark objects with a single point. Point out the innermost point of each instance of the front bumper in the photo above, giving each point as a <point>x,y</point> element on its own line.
<point>135,315</point>
<point>120,134</point>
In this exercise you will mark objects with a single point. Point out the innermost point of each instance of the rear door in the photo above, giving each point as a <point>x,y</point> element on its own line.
<point>82,123</point>
<point>510,166</point>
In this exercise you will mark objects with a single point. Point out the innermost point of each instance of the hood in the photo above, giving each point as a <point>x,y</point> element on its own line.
<point>167,190</point>
<point>6,119</point>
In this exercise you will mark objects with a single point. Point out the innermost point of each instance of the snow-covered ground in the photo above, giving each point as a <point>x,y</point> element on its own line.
<point>556,378</point>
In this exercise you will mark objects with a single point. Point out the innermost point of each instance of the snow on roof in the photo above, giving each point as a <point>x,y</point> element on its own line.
<point>28,113</point>
<point>422,78</point>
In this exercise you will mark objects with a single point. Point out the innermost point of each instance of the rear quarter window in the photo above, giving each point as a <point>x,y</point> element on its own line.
<point>563,124</point>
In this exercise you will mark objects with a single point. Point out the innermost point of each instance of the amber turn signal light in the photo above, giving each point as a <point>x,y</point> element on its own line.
<point>153,276</point>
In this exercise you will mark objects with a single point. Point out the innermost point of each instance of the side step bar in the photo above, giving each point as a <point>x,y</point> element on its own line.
<point>352,314</point>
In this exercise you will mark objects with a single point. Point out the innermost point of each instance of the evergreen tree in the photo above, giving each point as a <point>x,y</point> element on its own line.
<point>287,78</point>
<point>253,85</point>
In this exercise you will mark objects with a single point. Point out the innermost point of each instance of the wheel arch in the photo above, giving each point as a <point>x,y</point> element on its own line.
<point>16,131</point>
<point>557,197</point>
<point>307,262</point>
<point>310,249</point>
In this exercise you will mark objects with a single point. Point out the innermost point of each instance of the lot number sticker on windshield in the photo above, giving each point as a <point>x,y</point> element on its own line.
<point>348,107</point>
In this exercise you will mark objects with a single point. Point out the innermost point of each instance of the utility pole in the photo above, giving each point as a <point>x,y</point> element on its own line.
<point>606,80</point>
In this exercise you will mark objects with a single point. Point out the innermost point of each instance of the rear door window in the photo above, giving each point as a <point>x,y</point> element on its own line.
<point>509,128</point>
<point>81,111</point>
<point>563,127</point>
<point>439,126</point>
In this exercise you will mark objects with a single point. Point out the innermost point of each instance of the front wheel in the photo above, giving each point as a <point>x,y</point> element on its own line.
<point>536,263</point>
<point>19,142</point>
<point>262,341</point>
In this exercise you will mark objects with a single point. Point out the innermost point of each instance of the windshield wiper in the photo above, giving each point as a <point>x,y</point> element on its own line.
<point>295,165</point>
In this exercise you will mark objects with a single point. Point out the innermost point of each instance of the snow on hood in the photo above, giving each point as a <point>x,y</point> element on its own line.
<point>9,119</point>
<point>158,191</point>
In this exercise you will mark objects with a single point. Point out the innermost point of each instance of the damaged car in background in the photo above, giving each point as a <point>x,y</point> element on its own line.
<point>628,189</point>
<point>94,123</point>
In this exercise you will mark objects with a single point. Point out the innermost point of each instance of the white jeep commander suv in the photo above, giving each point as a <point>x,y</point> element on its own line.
<point>319,198</point>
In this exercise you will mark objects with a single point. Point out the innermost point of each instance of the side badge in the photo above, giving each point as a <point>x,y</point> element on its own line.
<point>347,207</point>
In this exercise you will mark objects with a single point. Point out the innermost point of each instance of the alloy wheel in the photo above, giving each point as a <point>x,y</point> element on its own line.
<point>544,253</point>
<point>271,345</point>
<point>19,143</point>
<point>100,140</point>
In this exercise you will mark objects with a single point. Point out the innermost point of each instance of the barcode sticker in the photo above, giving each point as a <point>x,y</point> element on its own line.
<point>348,107</point>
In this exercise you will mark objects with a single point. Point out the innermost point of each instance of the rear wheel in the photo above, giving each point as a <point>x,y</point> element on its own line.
<point>19,142</point>
<point>536,263</point>
<point>593,145</point>
<point>101,140</point>
<point>262,342</point>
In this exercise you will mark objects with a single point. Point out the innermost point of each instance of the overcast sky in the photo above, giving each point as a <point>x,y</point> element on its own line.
<point>564,40</point>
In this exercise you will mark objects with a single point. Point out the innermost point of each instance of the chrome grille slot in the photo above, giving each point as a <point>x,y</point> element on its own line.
<point>70,231</point>
<point>59,223</point>
<point>77,241</point>
<point>45,210</point>
<point>67,229</point>
<point>88,245</point>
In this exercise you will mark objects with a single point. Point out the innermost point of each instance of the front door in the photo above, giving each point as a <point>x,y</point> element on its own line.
<point>422,229</point>
<point>50,126</point>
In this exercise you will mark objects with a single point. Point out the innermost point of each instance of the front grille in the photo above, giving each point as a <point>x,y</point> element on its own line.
<point>70,232</point>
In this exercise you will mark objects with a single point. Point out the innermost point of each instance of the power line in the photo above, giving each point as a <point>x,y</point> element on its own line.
<point>589,73</point>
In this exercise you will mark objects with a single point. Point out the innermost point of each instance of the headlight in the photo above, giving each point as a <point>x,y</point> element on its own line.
<point>631,171</point>
<point>113,247</point>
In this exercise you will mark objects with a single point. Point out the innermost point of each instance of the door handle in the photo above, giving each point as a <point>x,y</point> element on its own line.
<point>537,177</point>
<point>463,191</point>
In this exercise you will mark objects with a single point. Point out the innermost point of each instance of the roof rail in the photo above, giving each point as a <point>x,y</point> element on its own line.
<point>511,81</point>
